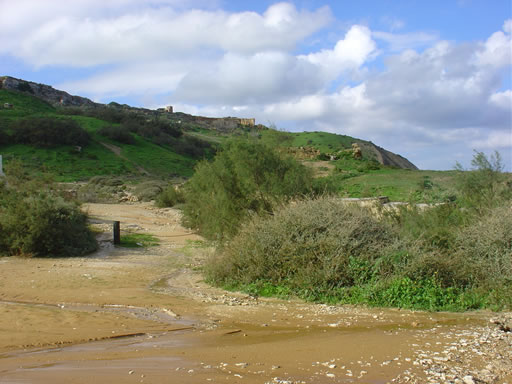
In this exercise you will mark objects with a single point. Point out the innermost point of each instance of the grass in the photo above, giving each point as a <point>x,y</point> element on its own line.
<point>138,240</point>
<point>67,164</point>
<point>400,185</point>
<point>323,141</point>
<point>23,105</point>
<point>157,159</point>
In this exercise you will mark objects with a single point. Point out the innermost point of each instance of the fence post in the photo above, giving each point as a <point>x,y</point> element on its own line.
<point>117,232</point>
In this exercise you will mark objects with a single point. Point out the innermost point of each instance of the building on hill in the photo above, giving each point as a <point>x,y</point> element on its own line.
<point>248,122</point>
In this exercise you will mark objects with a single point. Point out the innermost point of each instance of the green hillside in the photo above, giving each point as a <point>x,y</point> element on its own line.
<point>152,157</point>
<point>323,141</point>
<point>69,163</point>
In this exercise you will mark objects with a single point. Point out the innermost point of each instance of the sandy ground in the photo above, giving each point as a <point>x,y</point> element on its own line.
<point>145,315</point>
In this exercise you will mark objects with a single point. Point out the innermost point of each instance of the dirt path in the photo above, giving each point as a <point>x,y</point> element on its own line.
<point>117,151</point>
<point>145,315</point>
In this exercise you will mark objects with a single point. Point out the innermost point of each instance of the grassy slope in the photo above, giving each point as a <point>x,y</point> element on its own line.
<point>323,141</point>
<point>69,165</point>
<point>401,185</point>
<point>397,184</point>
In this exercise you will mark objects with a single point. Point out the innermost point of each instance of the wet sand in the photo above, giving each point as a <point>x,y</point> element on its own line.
<point>145,315</point>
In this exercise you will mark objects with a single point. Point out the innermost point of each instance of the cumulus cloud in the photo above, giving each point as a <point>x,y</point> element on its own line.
<point>144,78</point>
<point>502,99</point>
<point>159,32</point>
<point>425,95</point>
<point>494,140</point>
<point>497,49</point>
<point>356,48</point>
<point>263,77</point>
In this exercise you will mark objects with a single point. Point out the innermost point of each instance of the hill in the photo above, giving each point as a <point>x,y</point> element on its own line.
<point>139,142</point>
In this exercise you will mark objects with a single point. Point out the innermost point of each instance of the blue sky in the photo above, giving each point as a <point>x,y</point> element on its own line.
<point>430,80</point>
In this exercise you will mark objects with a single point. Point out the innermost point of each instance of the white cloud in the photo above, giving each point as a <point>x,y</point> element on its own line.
<point>399,42</point>
<point>494,140</point>
<point>145,78</point>
<point>497,49</point>
<point>507,26</point>
<point>423,97</point>
<point>502,99</point>
<point>263,77</point>
<point>348,54</point>
<point>151,33</point>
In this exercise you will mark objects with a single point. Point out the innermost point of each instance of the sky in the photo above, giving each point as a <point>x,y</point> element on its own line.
<point>429,80</point>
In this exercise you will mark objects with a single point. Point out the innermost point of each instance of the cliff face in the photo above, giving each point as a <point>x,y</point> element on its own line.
<point>45,92</point>
<point>385,157</point>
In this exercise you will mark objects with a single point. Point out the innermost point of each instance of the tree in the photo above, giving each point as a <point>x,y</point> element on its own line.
<point>485,186</point>
<point>244,179</point>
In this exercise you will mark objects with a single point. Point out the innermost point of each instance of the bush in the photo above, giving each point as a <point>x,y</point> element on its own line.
<point>246,178</point>
<point>483,250</point>
<point>308,246</point>
<point>148,190</point>
<point>448,257</point>
<point>23,86</point>
<point>4,137</point>
<point>484,187</point>
<point>36,221</point>
<point>170,196</point>
<point>49,132</point>
<point>117,133</point>
<point>43,225</point>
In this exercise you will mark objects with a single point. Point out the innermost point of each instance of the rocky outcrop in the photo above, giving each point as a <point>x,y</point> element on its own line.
<point>384,157</point>
<point>303,153</point>
<point>46,93</point>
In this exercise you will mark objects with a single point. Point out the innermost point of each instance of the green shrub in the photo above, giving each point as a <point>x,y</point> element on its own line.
<point>49,132</point>
<point>43,225</point>
<point>117,133</point>
<point>170,196</point>
<point>4,137</point>
<point>23,86</point>
<point>483,250</point>
<point>246,178</point>
<point>310,245</point>
<point>485,186</point>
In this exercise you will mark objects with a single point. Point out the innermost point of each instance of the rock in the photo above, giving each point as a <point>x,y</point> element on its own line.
<point>468,380</point>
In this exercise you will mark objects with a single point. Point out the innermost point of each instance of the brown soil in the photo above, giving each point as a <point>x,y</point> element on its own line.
<point>145,315</point>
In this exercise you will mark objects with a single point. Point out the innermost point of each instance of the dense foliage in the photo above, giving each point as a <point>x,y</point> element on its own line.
<point>36,221</point>
<point>310,245</point>
<point>48,132</point>
<point>452,256</point>
<point>170,197</point>
<point>117,133</point>
<point>246,178</point>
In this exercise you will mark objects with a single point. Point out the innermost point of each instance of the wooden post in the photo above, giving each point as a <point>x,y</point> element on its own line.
<point>117,232</point>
